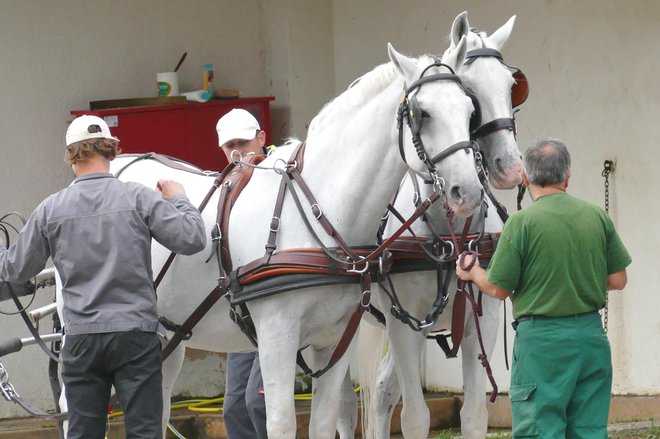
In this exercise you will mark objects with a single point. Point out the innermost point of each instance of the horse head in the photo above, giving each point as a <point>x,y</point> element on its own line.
<point>435,138</point>
<point>493,83</point>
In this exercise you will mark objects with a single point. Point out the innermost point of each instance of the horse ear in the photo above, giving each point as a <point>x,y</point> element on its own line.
<point>501,35</point>
<point>455,57</point>
<point>405,65</point>
<point>459,28</point>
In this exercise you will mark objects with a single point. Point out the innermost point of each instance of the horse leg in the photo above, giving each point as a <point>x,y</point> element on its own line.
<point>386,395</point>
<point>171,368</point>
<point>347,421</point>
<point>277,355</point>
<point>326,390</point>
<point>406,347</point>
<point>474,413</point>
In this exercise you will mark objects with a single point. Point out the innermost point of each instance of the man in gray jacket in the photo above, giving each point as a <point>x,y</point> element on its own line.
<point>98,233</point>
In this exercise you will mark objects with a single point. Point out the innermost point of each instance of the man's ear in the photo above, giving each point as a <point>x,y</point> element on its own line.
<point>261,136</point>
<point>524,178</point>
<point>568,177</point>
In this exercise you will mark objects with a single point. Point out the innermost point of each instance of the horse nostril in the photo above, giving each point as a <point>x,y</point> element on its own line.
<point>498,165</point>
<point>455,192</point>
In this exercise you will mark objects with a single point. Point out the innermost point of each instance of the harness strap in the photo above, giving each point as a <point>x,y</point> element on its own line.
<point>347,336</point>
<point>271,244</point>
<point>505,123</point>
<point>192,320</point>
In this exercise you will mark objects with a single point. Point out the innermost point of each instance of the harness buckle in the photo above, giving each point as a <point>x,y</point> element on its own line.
<point>365,300</point>
<point>317,211</point>
<point>215,232</point>
<point>275,226</point>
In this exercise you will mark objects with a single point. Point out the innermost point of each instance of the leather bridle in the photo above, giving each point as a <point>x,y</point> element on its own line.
<point>409,109</point>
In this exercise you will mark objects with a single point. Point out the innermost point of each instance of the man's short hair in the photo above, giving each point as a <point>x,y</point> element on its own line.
<point>85,149</point>
<point>547,162</point>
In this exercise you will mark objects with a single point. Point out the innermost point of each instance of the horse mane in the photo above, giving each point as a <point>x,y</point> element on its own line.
<point>363,88</point>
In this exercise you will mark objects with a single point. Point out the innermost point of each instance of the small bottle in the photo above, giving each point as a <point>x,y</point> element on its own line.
<point>208,79</point>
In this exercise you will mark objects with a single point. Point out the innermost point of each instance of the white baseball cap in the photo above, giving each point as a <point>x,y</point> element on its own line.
<point>237,124</point>
<point>87,127</point>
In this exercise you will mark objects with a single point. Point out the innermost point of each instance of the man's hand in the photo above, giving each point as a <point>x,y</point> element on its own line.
<point>469,262</point>
<point>170,189</point>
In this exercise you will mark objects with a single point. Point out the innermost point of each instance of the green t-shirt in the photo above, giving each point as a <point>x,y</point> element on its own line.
<point>555,256</point>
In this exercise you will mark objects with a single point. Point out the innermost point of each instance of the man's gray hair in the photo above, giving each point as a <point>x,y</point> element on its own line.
<point>547,162</point>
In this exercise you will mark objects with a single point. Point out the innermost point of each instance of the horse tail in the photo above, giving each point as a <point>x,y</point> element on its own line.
<point>371,348</point>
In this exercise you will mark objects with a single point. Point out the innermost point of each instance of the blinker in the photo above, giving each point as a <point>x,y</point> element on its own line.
<point>520,89</point>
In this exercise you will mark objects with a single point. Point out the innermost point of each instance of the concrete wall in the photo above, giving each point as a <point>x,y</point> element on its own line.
<point>591,64</point>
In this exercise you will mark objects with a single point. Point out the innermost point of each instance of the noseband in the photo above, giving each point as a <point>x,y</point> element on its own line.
<point>410,110</point>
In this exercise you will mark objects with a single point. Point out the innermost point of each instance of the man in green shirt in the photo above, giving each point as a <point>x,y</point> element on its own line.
<point>556,259</point>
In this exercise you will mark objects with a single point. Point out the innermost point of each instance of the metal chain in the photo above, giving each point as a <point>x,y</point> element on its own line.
<point>6,387</point>
<point>608,167</point>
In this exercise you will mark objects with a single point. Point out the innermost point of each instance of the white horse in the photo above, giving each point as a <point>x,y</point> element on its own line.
<point>352,166</point>
<point>492,83</point>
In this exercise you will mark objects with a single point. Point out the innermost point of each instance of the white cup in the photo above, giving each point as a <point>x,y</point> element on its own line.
<point>168,83</point>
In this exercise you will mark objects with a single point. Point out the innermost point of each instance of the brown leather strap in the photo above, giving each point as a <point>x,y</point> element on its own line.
<point>457,322</point>
<point>304,261</point>
<point>349,332</point>
<point>165,160</point>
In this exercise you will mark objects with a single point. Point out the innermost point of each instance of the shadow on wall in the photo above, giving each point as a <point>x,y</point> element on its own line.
<point>280,119</point>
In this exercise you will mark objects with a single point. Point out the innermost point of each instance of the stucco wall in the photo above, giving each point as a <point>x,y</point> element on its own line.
<point>592,67</point>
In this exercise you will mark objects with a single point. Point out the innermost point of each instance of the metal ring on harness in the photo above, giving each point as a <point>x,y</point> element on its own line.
<point>451,253</point>
<point>438,182</point>
<point>281,170</point>
<point>355,270</point>
<point>424,324</point>
<point>469,246</point>
<point>240,156</point>
<point>227,183</point>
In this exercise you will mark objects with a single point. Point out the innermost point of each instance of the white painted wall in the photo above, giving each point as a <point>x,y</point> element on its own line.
<point>592,67</point>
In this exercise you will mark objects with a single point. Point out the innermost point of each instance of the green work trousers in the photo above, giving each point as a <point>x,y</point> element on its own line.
<point>561,378</point>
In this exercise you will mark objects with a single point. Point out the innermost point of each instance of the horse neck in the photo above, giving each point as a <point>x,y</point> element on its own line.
<point>353,167</point>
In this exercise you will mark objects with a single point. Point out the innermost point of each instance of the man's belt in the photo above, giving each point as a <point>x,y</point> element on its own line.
<point>519,320</point>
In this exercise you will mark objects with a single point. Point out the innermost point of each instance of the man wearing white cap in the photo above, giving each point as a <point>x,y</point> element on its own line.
<point>239,131</point>
<point>98,233</point>
<point>244,408</point>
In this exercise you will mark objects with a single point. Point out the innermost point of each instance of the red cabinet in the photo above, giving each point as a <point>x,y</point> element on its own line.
<point>185,131</point>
